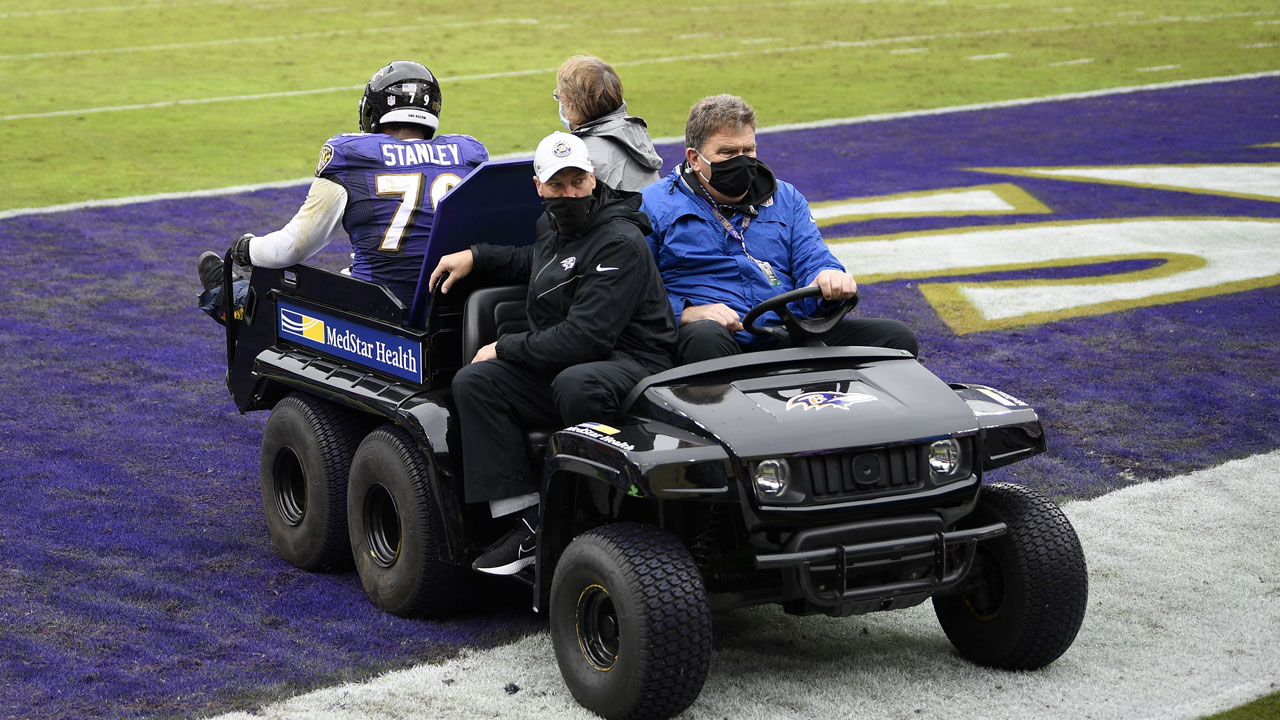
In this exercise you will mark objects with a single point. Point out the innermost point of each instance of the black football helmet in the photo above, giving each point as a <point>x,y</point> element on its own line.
<point>402,92</point>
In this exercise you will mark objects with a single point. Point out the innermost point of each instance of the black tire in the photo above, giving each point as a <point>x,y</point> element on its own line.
<point>1024,600</point>
<point>396,531</point>
<point>630,622</point>
<point>307,446</point>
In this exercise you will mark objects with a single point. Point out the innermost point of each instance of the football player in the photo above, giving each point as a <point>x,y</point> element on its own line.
<point>380,185</point>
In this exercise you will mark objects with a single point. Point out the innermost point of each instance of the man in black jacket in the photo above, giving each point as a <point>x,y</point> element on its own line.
<point>599,322</point>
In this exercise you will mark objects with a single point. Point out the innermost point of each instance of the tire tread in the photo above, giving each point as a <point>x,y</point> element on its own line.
<point>1047,554</point>
<point>677,617</point>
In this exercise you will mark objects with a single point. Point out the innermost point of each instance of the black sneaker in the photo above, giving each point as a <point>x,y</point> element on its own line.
<point>209,265</point>
<point>511,554</point>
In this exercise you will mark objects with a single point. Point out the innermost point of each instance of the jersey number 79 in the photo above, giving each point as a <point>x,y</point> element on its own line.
<point>409,187</point>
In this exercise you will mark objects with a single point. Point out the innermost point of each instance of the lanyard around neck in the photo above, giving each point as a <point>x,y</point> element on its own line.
<point>741,237</point>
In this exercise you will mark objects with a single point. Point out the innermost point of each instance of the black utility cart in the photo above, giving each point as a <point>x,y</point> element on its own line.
<point>836,481</point>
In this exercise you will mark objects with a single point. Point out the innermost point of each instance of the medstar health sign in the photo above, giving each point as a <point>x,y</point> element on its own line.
<point>363,345</point>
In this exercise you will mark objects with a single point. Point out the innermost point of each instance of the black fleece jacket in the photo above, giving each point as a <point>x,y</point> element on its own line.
<point>591,297</point>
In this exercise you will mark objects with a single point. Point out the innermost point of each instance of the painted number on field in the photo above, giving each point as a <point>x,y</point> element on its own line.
<point>1201,257</point>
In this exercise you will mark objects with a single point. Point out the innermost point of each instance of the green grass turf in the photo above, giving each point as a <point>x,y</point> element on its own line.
<point>1264,708</point>
<point>797,60</point>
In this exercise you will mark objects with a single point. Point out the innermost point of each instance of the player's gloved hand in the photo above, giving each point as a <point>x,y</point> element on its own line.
<point>240,250</point>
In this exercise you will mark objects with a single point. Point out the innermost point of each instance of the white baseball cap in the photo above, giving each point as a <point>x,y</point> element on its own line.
<point>558,151</point>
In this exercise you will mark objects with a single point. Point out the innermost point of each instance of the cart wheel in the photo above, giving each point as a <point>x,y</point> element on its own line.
<point>1024,600</point>
<point>396,533</point>
<point>307,446</point>
<point>630,622</point>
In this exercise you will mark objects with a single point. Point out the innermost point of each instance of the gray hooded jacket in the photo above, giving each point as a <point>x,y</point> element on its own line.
<point>621,150</point>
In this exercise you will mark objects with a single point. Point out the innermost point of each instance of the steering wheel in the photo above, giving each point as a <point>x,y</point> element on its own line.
<point>798,329</point>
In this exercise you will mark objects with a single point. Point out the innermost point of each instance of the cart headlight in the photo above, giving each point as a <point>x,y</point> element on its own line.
<point>944,459</point>
<point>772,477</point>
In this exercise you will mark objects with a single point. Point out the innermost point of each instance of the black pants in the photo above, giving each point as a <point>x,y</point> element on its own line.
<point>498,400</point>
<point>707,339</point>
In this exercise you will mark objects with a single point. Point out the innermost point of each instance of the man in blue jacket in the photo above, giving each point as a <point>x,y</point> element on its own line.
<point>728,235</point>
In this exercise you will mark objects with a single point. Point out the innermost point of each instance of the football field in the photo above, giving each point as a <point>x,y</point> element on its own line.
<point>1076,202</point>
<point>116,98</point>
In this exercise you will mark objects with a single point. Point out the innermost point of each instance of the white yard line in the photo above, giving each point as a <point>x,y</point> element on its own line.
<point>828,45</point>
<point>1184,612</point>
<point>1158,68</point>
<point>798,48</point>
<point>112,8</point>
<point>991,56</point>
<point>881,117</point>
<point>1064,63</point>
<point>336,32</point>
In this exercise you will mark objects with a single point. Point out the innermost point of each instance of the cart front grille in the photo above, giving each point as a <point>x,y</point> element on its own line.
<point>864,472</point>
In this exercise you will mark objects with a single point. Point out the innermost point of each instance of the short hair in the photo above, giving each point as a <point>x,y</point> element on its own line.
<point>714,113</point>
<point>591,85</point>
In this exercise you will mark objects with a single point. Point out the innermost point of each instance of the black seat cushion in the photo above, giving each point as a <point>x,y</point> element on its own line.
<point>489,314</point>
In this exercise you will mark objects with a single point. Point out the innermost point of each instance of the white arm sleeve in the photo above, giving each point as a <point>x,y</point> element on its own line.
<point>313,227</point>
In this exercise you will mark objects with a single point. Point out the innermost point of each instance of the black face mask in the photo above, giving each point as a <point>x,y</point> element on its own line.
<point>569,214</point>
<point>733,177</point>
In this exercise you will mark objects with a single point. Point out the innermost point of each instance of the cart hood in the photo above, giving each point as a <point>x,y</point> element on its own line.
<point>871,404</point>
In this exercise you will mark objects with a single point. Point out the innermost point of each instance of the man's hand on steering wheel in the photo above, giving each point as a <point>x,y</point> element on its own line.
<point>797,329</point>
<point>836,285</point>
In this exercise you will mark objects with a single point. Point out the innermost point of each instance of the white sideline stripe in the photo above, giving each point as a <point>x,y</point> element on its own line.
<point>1083,95</point>
<point>1183,616</point>
<point>826,45</point>
<point>213,192</point>
<point>817,124</point>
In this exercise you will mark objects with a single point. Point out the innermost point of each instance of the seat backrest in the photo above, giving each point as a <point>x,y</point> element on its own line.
<point>495,204</point>
<point>490,313</point>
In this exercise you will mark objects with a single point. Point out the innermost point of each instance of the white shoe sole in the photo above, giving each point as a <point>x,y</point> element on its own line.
<point>510,568</point>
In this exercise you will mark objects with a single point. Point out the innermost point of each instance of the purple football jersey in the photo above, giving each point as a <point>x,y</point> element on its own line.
<point>393,187</point>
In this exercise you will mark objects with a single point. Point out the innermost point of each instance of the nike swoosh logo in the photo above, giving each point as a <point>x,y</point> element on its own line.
<point>523,550</point>
<point>602,268</point>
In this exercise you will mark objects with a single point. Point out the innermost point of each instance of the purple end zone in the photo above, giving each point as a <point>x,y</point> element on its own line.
<point>137,578</point>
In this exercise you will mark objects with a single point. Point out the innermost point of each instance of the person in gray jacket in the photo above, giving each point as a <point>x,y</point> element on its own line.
<point>591,106</point>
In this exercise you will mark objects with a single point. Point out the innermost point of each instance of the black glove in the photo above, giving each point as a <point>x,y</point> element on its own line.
<point>240,250</point>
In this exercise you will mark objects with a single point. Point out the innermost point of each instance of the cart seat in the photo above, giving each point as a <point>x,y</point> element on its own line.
<point>490,313</point>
